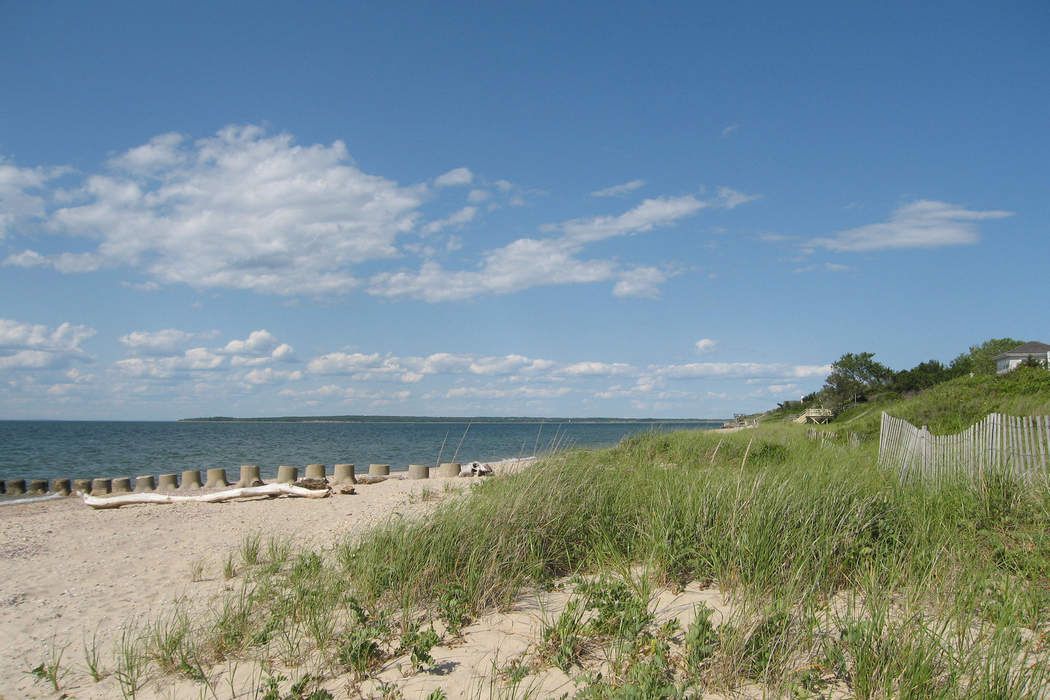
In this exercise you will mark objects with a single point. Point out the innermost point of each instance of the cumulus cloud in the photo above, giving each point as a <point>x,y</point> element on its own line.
<point>251,210</point>
<point>36,346</point>
<point>164,341</point>
<point>161,355</point>
<point>20,193</point>
<point>520,392</point>
<point>454,178</point>
<point>694,370</point>
<point>597,369</point>
<point>532,262</point>
<point>523,264</point>
<point>706,344</point>
<point>258,342</point>
<point>242,209</point>
<point>159,153</point>
<point>921,224</point>
<point>619,190</point>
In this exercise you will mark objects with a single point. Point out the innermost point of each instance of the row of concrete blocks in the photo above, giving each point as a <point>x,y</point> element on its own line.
<point>216,478</point>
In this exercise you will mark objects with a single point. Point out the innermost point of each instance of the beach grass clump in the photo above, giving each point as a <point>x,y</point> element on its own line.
<point>51,669</point>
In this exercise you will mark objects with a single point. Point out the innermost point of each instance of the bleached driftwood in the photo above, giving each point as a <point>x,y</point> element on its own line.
<point>33,499</point>
<point>216,497</point>
<point>476,469</point>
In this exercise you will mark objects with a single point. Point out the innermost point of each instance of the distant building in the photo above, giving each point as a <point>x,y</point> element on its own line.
<point>1012,358</point>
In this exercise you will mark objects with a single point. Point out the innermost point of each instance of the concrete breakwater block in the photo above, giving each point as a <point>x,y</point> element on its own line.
<point>216,478</point>
<point>62,486</point>
<point>82,485</point>
<point>167,482</point>
<point>315,471</point>
<point>191,479</point>
<point>344,474</point>
<point>379,470</point>
<point>418,471</point>
<point>249,476</point>
<point>101,487</point>
<point>146,483</point>
<point>15,487</point>
<point>121,485</point>
<point>449,469</point>
<point>287,474</point>
<point>37,487</point>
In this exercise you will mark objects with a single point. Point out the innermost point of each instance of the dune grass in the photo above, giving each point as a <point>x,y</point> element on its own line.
<point>842,576</point>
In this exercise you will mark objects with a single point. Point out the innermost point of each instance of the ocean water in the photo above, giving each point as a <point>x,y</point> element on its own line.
<point>89,449</point>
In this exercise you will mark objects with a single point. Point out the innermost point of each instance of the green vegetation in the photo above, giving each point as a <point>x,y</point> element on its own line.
<point>840,576</point>
<point>957,404</point>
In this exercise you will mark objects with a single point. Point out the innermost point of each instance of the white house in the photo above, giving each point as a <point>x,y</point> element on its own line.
<point>1012,358</point>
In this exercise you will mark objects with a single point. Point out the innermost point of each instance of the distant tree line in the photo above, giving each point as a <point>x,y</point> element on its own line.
<point>856,377</point>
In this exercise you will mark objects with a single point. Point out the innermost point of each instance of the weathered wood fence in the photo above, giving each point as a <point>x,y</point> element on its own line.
<point>1019,445</point>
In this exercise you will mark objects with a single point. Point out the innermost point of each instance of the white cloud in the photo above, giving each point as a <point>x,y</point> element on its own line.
<point>921,224</point>
<point>523,264</point>
<point>507,364</point>
<point>164,341</point>
<point>269,375</point>
<point>457,218</point>
<point>260,342</point>
<point>192,360</point>
<point>641,282</point>
<point>729,198</point>
<point>36,346</point>
<point>160,355</point>
<point>19,193</point>
<point>730,130</point>
<point>706,344</point>
<point>454,178</point>
<point>651,213</point>
<point>242,209</point>
<point>347,394</point>
<point>695,370</point>
<point>619,190</point>
<point>522,392</point>
<point>597,369</point>
<point>533,262</point>
<point>344,363</point>
<point>477,196</point>
<point>27,258</point>
<point>160,153</point>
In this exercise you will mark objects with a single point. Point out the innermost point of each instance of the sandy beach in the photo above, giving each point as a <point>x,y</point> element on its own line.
<point>70,572</point>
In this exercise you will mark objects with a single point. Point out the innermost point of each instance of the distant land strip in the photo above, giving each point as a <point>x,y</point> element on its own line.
<point>440,419</point>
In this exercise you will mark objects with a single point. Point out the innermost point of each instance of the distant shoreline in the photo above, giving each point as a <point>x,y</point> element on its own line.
<point>445,419</point>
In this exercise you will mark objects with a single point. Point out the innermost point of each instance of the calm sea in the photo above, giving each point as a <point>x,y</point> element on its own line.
<point>87,449</point>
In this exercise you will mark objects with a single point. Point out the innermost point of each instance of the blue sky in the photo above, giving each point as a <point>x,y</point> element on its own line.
<point>516,209</point>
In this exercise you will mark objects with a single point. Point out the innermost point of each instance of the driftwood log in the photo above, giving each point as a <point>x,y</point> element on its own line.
<point>33,499</point>
<point>271,490</point>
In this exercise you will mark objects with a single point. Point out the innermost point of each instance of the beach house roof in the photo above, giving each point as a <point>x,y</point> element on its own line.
<point>1030,348</point>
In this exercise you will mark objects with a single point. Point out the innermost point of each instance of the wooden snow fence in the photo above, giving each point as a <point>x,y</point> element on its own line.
<point>1016,445</point>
